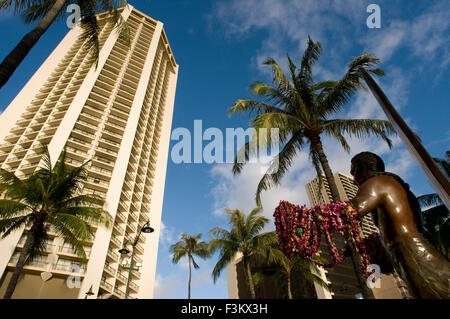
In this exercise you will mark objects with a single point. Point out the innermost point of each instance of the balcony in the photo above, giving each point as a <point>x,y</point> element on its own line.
<point>109,142</point>
<point>126,195</point>
<point>73,268</point>
<point>131,228</point>
<point>136,274</point>
<point>12,159</point>
<point>119,293</point>
<point>117,120</point>
<point>118,128</point>
<point>116,242</point>
<point>112,134</point>
<point>106,286</point>
<point>100,171</point>
<point>138,259</point>
<point>127,185</point>
<point>146,199</point>
<point>121,277</point>
<point>114,256</point>
<point>124,206</point>
<point>109,270</point>
<point>133,286</point>
<point>133,216</point>
<point>105,150</point>
<point>98,183</point>
<point>140,249</point>
<point>118,230</point>
<point>74,161</point>
<point>120,217</point>
<point>135,206</point>
<point>80,142</point>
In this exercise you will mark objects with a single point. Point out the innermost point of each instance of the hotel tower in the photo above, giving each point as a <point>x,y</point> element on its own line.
<point>117,115</point>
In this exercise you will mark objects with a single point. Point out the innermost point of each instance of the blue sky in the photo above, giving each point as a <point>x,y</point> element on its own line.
<point>220,45</point>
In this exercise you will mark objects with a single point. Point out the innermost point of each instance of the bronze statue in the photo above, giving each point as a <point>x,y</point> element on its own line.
<point>397,213</point>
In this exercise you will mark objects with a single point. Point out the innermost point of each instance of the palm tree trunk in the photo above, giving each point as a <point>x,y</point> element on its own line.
<point>16,56</point>
<point>316,143</point>
<point>189,282</point>
<point>288,275</point>
<point>19,266</point>
<point>250,279</point>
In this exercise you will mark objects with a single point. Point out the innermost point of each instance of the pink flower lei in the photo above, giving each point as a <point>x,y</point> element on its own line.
<point>299,230</point>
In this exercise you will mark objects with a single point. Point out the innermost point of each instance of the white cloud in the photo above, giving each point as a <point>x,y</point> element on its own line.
<point>238,192</point>
<point>338,25</point>
<point>288,23</point>
<point>167,235</point>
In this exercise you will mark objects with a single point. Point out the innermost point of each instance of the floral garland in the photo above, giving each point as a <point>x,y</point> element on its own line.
<point>299,231</point>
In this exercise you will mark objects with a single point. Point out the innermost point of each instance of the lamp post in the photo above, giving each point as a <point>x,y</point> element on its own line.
<point>124,251</point>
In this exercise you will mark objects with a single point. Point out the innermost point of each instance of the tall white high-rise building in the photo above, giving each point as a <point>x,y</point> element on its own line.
<point>117,115</point>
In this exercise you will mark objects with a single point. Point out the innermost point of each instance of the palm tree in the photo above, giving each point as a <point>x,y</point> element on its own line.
<point>245,237</point>
<point>306,268</point>
<point>48,197</point>
<point>301,109</point>
<point>47,11</point>
<point>302,112</point>
<point>189,246</point>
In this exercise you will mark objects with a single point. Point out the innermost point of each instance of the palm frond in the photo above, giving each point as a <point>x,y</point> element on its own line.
<point>242,106</point>
<point>429,200</point>
<point>347,86</point>
<point>12,208</point>
<point>279,77</point>
<point>19,5</point>
<point>90,33</point>
<point>39,9</point>
<point>226,255</point>
<point>11,224</point>
<point>360,128</point>
<point>444,164</point>
<point>280,165</point>
<point>311,56</point>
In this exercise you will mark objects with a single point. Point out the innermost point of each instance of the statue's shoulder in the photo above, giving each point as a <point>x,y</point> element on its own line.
<point>383,181</point>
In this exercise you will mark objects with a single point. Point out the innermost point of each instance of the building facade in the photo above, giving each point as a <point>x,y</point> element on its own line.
<point>117,115</point>
<point>342,279</point>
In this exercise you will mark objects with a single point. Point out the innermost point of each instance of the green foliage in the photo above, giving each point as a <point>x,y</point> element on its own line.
<point>32,11</point>
<point>306,268</point>
<point>190,246</point>
<point>301,110</point>
<point>50,197</point>
<point>244,237</point>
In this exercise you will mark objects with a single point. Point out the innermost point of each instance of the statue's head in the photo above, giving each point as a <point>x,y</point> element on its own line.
<point>364,165</point>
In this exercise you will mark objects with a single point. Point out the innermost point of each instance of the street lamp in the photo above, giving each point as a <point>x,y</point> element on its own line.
<point>124,251</point>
